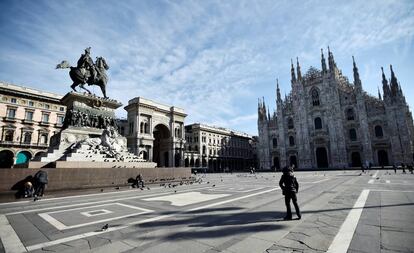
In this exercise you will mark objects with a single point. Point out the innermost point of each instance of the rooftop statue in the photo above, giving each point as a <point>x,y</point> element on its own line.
<point>87,72</point>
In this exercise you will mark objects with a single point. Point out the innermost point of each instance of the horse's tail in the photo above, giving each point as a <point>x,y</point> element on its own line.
<point>63,65</point>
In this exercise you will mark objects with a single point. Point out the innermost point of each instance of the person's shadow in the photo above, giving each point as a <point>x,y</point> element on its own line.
<point>19,186</point>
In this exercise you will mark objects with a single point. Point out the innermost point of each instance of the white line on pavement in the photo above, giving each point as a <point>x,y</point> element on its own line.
<point>76,237</point>
<point>59,225</point>
<point>98,202</point>
<point>383,190</point>
<point>9,238</point>
<point>74,196</point>
<point>371,181</point>
<point>376,174</point>
<point>343,239</point>
<point>387,181</point>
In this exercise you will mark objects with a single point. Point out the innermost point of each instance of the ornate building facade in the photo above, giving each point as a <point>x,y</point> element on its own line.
<point>28,119</point>
<point>327,121</point>
<point>155,131</point>
<point>217,148</point>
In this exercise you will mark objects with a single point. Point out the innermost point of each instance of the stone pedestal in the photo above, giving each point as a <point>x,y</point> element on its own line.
<point>89,135</point>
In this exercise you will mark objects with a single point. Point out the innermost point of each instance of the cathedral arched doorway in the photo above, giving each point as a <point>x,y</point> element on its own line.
<point>186,162</point>
<point>356,159</point>
<point>276,163</point>
<point>6,159</point>
<point>383,158</point>
<point>161,145</point>
<point>293,161</point>
<point>321,158</point>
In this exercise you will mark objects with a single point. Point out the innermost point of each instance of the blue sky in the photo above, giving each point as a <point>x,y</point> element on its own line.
<point>212,58</point>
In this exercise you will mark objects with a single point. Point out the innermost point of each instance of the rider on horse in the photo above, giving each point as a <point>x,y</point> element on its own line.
<point>86,62</point>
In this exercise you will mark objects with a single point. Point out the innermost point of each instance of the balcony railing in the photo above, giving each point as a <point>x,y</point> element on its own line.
<point>25,144</point>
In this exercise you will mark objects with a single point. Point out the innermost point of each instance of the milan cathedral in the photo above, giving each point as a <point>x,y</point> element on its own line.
<point>327,121</point>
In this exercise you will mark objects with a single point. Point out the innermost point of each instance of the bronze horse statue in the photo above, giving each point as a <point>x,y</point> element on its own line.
<point>81,76</point>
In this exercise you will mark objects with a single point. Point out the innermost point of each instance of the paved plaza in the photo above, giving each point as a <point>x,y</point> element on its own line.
<point>342,211</point>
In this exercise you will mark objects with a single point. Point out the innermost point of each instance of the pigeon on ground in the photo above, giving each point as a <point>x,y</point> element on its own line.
<point>214,185</point>
<point>105,227</point>
<point>148,188</point>
<point>101,190</point>
<point>36,198</point>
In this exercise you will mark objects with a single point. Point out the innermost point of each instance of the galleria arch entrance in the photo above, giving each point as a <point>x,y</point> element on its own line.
<point>321,157</point>
<point>161,147</point>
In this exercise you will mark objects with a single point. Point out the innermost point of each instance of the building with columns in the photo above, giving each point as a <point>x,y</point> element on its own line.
<point>28,119</point>
<point>155,131</point>
<point>327,121</point>
<point>217,148</point>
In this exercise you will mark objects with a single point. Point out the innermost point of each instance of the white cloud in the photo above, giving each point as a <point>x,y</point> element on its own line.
<point>212,58</point>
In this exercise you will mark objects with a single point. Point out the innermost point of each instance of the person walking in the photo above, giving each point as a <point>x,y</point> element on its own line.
<point>41,180</point>
<point>290,187</point>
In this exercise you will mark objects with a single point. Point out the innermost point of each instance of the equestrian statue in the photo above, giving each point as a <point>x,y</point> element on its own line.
<point>87,72</point>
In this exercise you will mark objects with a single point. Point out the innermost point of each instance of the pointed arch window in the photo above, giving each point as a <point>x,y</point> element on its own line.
<point>291,141</point>
<point>378,132</point>
<point>315,97</point>
<point>290,123</point>
<point>350,115</point>
<point>352,134</point>
<point>274,142</point>
<point>318,123</point>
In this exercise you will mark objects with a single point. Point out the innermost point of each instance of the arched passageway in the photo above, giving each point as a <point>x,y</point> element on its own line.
<point>23,157</point>
<point>6,159</point>
<point>160,150</point>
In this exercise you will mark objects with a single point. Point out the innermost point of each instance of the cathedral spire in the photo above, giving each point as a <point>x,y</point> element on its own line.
<point>298,69</point>
<point>278,91</point>
<point>323,62</point>
<point>292,71</point>
<point>331,61</point>
<point>379,93</point>
<point>357,80</point>
<point>393,82</point>
<point>385,88</point>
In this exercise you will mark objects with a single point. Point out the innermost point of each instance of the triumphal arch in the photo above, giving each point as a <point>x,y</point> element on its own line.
<point>155,132</point>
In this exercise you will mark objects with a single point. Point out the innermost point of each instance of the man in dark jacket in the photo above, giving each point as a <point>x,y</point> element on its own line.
<point>40,182</point>
<point>290,187</point>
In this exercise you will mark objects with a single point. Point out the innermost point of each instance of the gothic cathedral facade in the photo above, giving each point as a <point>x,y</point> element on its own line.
<point>328,122</point>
